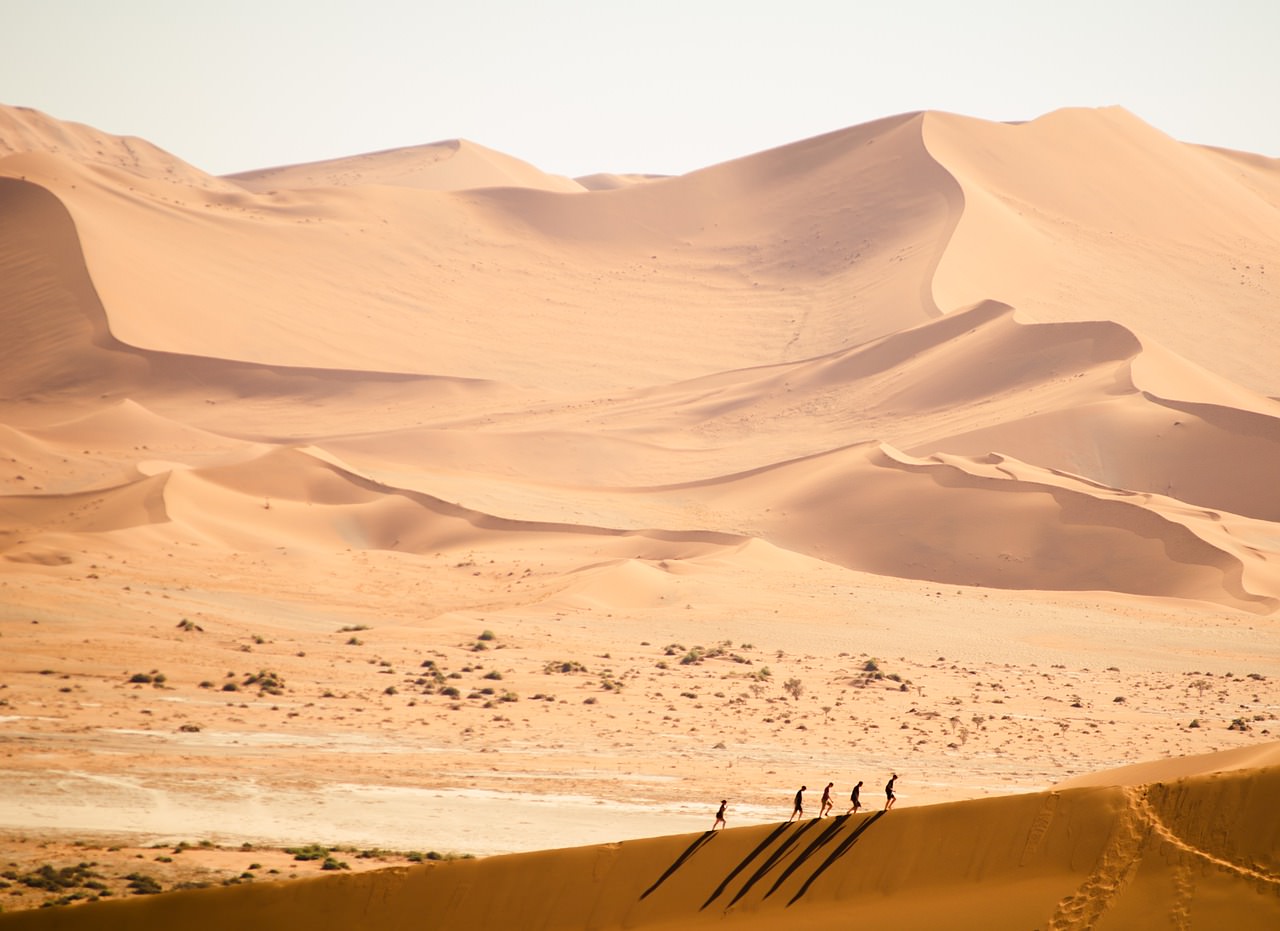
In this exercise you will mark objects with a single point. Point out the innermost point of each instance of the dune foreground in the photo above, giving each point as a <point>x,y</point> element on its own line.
<point>422,500</point>
<point>1201,852</point>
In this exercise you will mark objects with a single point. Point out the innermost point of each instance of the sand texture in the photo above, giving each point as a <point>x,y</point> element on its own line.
<point>423,500</point>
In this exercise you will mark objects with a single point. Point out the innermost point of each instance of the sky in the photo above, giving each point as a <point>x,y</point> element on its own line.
<point>658,86</point>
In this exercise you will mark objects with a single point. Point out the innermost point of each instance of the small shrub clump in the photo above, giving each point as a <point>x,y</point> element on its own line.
<point>563,666</point>
<point>268,682</point>
<point>142,884</point>
<point>309,852</point>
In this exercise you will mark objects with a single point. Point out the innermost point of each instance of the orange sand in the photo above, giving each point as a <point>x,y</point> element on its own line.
<point>1196,853</point>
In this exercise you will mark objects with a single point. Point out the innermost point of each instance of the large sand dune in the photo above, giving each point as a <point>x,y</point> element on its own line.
<point>995,405</point>
<point>1195,853</point>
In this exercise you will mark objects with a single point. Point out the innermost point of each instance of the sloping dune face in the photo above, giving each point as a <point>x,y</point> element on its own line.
<point>456,165</point>
<point>553,509</point>
<point>1196,853</point>
<point>926,347</point>
<point>1053,209</point>
<point>753,262</point>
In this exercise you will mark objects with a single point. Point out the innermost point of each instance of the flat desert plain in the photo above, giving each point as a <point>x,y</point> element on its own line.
<point>420,505</point>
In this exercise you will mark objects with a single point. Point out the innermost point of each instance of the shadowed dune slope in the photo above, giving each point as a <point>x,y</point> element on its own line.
<point>1199,853</point>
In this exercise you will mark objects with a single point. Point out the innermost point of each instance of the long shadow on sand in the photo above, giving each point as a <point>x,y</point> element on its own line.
<point>817,844</point>
<point>835,855</point>
<point>679,862</point>
<point>760,848</point>
<point>770,863</point>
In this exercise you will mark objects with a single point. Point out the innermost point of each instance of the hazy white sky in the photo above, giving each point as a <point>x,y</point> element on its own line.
<point>662,86</point>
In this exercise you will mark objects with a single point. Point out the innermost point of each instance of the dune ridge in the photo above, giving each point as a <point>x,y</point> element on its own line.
<point>453,165</point>
<point>1190,853</point>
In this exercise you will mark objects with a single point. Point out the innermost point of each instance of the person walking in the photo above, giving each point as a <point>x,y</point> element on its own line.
<point>854,800</point>
<point>720,822</point>
<point>798,811</point>
<point>826,801</point>
<point>889,797</point>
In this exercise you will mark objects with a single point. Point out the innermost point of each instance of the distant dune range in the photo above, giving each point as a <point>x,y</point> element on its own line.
<point>926,347</point>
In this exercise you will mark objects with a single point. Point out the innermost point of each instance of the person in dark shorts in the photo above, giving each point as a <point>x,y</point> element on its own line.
<point>798,811</point>
<point>720,822</point>
<point>854,801</point>
<point>826,801</point>
<point>889,797</point>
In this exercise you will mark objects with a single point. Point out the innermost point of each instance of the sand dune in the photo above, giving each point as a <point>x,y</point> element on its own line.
<point>607,181</point>
<point>664,261</point>
<point>23,129</point>
<point>1046,202</point>
<point>1199,852</point>
<point>455,165</point>
<point>1261,756</point>
<point>991,409</point>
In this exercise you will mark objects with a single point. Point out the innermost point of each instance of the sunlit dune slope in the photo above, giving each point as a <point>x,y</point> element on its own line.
<point>23,129</point>
<point>455,165</point>
<point>1200,853</point>
<point>925,347</point>
<point>1254,757</point>
<point>1094,215</point>
<point>773,257</point>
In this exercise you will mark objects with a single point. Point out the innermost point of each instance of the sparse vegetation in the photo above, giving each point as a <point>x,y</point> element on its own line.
<point>142,884</point>
<point>563,666</point>
<point>308,852</point>
<point>270,683</point>
<point>49,879</point>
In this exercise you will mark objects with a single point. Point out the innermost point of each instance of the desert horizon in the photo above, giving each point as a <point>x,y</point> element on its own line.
<point>420,500</point>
